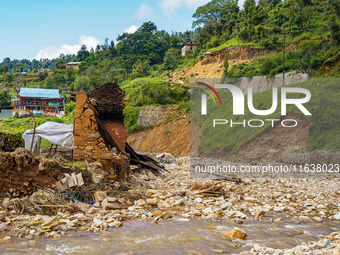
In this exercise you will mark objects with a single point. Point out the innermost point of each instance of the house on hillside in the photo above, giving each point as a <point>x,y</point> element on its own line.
<point>39,101</point>
<point>189,47</point>
<point>73,65</point>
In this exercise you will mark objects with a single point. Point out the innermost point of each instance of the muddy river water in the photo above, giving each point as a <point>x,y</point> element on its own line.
<point>181,236</point>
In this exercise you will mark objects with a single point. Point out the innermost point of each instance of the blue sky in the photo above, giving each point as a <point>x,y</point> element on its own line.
<point>45,28</point>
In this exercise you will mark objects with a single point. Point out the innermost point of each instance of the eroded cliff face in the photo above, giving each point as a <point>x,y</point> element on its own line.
<point>211,64</point>
<point>232,53</point>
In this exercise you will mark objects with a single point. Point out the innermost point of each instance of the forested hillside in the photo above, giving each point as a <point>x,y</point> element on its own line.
<point>139,61</point>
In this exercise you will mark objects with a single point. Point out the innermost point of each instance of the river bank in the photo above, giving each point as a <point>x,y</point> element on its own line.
<point>175,196</point>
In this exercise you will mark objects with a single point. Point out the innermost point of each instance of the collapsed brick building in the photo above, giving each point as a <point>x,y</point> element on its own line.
<point>98,118</point>
<point>100,134</point>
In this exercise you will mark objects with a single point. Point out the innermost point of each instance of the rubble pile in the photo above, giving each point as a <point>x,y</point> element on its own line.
<point>23,173</point>
<point>177,196</point>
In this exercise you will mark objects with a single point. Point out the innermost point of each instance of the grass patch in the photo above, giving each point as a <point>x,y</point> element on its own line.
<point>80,164</point>
<point>234,42</point>
<point>167,132</point>
<point>131,114</point>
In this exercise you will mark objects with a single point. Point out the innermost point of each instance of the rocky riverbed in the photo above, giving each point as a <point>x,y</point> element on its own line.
<point>176,196</point>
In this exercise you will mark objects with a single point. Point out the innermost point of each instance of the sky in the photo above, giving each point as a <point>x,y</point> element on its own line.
<point>35,29</point>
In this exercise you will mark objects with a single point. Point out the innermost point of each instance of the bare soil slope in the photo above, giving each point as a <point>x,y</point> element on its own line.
<point>172,137</point>
<point>269,146</point>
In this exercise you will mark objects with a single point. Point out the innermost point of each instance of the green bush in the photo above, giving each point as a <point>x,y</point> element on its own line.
<point>153,91</point>
<point>130,118</point>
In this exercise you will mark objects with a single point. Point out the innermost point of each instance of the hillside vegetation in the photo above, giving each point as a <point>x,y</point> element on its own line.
<point>142,62</point>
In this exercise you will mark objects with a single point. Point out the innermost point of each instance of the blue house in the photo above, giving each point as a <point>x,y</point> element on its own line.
<point>39,101</point>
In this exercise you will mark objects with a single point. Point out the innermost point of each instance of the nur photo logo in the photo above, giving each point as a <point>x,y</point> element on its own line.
<point>238,105</point>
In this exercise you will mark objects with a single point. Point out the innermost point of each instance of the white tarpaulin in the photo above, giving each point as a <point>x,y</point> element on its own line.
<point>54,132</point>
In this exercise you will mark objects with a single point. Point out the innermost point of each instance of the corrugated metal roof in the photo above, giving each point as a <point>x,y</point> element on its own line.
<point>73,63</point>
<point>32,92</point>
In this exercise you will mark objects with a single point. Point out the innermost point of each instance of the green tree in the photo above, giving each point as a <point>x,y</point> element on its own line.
<point>211,12</point>
<point>42,75</point>
<point>20,67</point>
<point>5,97</point>
<point>140,69</point>
<point>249,7</point>
<point>3,69</point>
<point>147,43</point>
<point>60,64</point>
<point>9,77</point>
<point>83,53</point>
<point>336,5</point>
<point>82,83</point>
<point>172,58</point>
<point>306,54</point>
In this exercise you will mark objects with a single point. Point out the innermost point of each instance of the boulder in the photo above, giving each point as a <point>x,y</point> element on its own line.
<point>235,233</point>
<point>111,203</point>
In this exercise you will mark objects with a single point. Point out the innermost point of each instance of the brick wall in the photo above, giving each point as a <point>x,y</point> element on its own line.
<point>88,142</point>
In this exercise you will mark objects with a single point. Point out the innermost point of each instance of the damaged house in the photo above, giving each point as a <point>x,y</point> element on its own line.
<point>100,134</point>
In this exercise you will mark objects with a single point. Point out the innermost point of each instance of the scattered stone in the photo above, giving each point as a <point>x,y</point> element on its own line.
<point>198,200</point>
<point>81,217</point>
<point>317,219</point>
<point>2,214</point>
<point>279,209</point>
<point>5,202</point>
<point>51,222</point>
<point>151,201</point>
<point>151,192</point>
<point>167,215</point>
<point>3,227</point>
<point>238,221</point>
<point>111,203</point>
<point>240,215</point>
<point>259,213</point>
<point>337,216</point>
<point>157,213</point>
<point>99,196</point>
<point>97,222</point>
<point>218,251</point>
<point>251,199</point>
<point>115,224</point>
<point>235,233</point>
<point>304,218</point>
<point>6,239</point>
<point>141,202</point>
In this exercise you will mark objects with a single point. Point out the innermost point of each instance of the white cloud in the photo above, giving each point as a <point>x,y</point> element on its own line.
<point>54,51</point>
<point>144,11</point>
<point>131,29</point>
<point>170,6</point>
